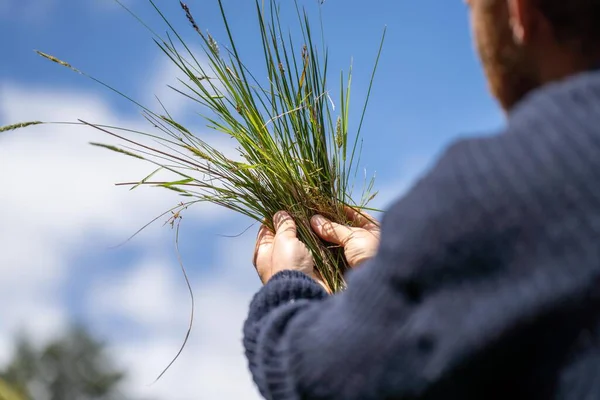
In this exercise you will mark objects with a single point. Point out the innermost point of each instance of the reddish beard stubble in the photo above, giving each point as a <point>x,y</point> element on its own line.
<point>509,70</point>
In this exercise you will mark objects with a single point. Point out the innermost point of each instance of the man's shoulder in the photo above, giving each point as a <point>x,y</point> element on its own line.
<point>555,124</point>
<point>556,114</point>
<point>526,175</point>
<point>568,105</point>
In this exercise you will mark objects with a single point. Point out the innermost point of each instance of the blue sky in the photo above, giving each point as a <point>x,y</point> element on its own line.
<point>61,211</point>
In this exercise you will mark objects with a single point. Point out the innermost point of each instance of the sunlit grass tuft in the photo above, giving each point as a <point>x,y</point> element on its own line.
<point>296,149</point>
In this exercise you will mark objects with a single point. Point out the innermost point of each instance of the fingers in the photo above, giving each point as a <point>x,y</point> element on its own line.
<point>284,225</point>
<point>265,235</point>
<point>360,219</point>
<point>264,238</point>
<point>330,231</point>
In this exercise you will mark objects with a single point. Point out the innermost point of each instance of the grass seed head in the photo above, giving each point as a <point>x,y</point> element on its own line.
<point>212,43</point>
<point>19,126</point>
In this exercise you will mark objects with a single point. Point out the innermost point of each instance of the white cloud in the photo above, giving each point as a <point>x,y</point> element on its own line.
<point>169,74</point>
<point>153,295</point>
<point>63,182</point>
<point>58,196</point>
<point>146,294</point>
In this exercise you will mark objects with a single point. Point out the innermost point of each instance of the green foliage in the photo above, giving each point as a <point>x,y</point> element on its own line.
<point>74,367</point>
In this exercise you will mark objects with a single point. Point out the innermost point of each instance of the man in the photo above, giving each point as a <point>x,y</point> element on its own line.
<point>486,282</point>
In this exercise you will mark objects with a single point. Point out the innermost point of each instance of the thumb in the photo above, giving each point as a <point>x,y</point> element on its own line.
<point>330,231</point>
<point>284,225</point>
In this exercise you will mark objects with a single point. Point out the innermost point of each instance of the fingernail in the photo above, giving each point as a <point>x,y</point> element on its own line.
<point>318,220</point>
<point>278,217</point>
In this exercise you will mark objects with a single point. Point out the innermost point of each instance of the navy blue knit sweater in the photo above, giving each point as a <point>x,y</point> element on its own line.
<point>486,284</point>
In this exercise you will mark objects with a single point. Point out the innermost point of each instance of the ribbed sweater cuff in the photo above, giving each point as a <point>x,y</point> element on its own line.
<point>282,288</point>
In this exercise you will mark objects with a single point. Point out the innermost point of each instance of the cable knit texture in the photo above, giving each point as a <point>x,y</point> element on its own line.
<point>486,284</point>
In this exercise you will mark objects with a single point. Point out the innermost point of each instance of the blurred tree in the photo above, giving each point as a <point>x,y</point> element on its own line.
<point>74,367</point>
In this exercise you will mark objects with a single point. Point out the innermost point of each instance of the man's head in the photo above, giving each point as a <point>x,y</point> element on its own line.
<point>524,44</point>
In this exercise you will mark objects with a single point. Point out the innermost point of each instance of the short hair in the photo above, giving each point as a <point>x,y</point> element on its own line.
<point>576,21</point>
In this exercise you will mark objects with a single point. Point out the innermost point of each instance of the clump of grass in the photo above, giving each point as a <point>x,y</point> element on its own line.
<point>296,149</point>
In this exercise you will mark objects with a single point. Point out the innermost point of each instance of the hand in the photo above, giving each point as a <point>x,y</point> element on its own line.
<point>281,250</point>
<point>360,243</point>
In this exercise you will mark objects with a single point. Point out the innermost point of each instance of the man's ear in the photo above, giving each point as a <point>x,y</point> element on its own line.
<point>517,14</point>
<point>525,20</point>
